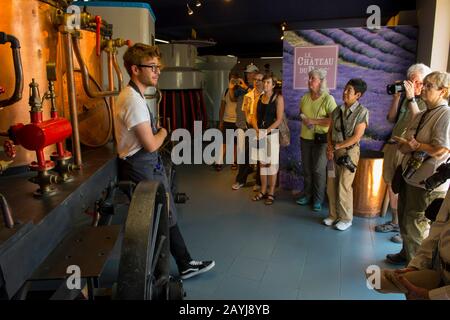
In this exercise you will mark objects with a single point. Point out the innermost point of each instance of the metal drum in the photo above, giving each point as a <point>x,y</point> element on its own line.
<point>369,188</point>
<point>30,21</point>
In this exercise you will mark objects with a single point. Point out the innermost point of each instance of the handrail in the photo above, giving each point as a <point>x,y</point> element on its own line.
<point>18,69</point>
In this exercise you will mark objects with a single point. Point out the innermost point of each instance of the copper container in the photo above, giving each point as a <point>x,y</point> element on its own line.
<point>31,22</point>
<point>369,188</point>
<point>94,117</point>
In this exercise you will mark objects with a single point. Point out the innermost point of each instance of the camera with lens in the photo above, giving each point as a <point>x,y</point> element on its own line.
<point>395,88</point>
<point>347,162</point>
<point>439,177</point>
<point>414,163</point>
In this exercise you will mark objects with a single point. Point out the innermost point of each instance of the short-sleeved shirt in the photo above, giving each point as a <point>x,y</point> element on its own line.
<point>316,109</point>
<point>131,110</point>
<point>250,103</point>
<point>404,116</point>
<point>434,130</point>
<point>230,108</point>
<point>353,116</point>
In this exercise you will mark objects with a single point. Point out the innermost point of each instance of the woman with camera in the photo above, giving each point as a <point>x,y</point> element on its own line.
<point>426,146</point>
<point>316,107</point>
<point>269,114</point>
<point>227,117</point>
<point>348,123</point>
<point>406,104</point>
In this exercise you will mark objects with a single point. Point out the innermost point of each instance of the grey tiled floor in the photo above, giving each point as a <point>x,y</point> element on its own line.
<point>272,252</point>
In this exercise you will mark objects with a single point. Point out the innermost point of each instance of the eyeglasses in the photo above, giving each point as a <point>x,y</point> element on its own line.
<point>154,67</point>
<point>430,86</point>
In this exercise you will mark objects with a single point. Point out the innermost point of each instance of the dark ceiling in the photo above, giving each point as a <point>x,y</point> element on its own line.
<point>252,28</point>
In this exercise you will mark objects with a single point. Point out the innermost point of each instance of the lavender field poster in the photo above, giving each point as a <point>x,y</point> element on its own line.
<point>380,57</point>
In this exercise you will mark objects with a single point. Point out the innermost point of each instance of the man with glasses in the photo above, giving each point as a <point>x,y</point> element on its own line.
<point>139,137</point>
<point>405,106</point>
<point>245,109</point>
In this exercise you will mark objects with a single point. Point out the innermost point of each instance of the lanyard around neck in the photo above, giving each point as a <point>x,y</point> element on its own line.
<point>136,88</point>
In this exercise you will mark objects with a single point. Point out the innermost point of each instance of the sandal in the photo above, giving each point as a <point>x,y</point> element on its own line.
<point>259,196</point>
<point>387,227</point>
<point>270,198</point>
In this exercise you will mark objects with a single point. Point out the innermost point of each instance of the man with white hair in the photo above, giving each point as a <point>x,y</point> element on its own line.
<point>405,106</point>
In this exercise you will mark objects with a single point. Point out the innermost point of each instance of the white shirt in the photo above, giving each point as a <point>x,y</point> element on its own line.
<point>131,110</point>
<point>230,108</point>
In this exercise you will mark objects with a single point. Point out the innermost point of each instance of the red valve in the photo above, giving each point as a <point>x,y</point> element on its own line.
<point>10,148</point>
<point>2,90</point>
<point>98,22</point>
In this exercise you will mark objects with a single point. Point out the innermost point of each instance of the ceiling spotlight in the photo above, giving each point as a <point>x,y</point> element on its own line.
<point>198,3</point>
<point>190,12</point>
<point>282,37</point>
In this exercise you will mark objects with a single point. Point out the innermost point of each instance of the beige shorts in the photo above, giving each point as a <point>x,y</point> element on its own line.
<point>392,159</point>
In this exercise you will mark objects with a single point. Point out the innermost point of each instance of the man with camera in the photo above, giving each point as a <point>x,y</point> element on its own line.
<point>406,104</point>
<point>247,100</point>
<point>348,123</point>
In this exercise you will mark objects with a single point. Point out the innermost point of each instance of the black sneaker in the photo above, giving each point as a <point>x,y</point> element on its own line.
<point>196,267</point>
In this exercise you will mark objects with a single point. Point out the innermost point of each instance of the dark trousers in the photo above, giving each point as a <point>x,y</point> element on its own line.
<point>246,168</point>
<point>146,166</point>
<point>178,248</point>
<point>314,161</point>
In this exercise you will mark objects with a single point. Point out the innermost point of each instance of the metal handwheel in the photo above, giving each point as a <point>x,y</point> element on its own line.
<point>145,258</point>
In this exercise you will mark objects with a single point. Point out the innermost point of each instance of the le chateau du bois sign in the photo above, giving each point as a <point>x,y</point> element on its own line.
<point>315,57</point>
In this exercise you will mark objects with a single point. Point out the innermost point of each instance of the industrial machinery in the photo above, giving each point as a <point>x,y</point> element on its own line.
<point>216,70</point>
<point>39,134</point>
<point>95,237</point>
<point>181,85</point>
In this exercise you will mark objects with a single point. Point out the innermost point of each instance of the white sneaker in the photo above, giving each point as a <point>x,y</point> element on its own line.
<point>237,186</point>
<point>341,225</point>
<point>328,221</point>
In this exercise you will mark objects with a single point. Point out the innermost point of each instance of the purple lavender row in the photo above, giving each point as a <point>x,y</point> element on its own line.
<point>399,39</point>
<point>377,41</point>
<point>354,44</point>
<point>348,55</point>
<point>408,31</point>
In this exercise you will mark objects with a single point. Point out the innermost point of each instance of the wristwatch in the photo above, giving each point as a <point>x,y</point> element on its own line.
<point>413,99</point>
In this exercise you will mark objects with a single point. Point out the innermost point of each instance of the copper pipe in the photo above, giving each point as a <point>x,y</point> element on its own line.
<point>85,74</point>
<point>112,105</point>
<point>6,212</point>
<point>76,147</point>
<point>118,71</point>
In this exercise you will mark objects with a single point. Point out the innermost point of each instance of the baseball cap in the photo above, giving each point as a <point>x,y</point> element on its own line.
<point>251,68</point>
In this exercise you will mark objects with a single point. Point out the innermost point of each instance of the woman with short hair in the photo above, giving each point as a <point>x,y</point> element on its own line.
<point>316,107</point>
